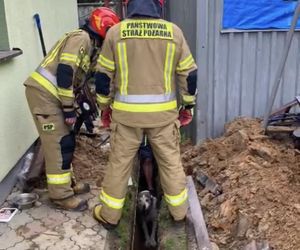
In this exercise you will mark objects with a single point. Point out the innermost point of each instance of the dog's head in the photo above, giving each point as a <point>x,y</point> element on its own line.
<point>144,200</point>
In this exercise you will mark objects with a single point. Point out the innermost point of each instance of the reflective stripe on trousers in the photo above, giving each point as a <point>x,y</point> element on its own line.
<point>111,201</point>
<point>177,200</point>
<point>59,179</point>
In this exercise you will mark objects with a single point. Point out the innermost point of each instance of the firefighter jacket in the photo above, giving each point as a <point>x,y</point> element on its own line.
<point>64,68</point>
<point>141,64</point>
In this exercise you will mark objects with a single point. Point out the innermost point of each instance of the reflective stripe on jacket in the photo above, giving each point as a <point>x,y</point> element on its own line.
<point>146,60</point>
<point>73,49</point>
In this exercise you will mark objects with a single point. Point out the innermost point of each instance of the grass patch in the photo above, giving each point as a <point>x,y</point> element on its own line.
<point>120,237</point>
<point>172,235</point>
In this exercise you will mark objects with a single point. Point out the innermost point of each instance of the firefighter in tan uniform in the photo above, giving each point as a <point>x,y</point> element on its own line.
<point>141,59</point>
<point>49,92</point>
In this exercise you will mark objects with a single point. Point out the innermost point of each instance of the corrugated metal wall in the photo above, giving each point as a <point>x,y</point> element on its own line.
<point>236,69</point>
<point>183,13</point>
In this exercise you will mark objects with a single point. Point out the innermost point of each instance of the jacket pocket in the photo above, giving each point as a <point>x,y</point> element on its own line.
<point>45,122</point>
<point>176,131</point>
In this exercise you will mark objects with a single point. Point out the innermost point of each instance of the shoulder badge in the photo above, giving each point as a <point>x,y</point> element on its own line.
<point>82,50</point>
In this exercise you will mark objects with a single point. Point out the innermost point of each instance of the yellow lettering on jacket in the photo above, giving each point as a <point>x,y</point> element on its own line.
<point>151,29</point>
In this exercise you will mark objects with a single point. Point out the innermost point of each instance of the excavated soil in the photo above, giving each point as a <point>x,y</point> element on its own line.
<point>260,178</point>
<point>90,158</point>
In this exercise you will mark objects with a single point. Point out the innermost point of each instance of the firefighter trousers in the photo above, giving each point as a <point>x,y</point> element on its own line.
<point>125,142</point>
<point>58,141</point>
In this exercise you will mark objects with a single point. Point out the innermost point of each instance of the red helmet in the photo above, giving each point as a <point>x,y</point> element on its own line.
<point>102,19</point>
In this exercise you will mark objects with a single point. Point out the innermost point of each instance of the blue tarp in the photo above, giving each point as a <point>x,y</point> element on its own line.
<point>258,14</point>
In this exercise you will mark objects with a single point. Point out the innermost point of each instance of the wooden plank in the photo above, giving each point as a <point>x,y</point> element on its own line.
<point>197,218</point>
<point>280,129</point>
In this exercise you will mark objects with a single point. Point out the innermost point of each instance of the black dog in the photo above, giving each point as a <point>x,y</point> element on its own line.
<point>147,207</point>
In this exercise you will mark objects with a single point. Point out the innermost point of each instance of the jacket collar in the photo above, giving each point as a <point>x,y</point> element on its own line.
<point>146,8</point>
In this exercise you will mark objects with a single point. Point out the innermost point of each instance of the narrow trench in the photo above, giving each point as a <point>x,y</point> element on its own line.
<point>138,235</point>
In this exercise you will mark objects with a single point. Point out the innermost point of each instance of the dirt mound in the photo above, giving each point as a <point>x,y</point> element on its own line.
<point>90,158</point>
<point>260,177</point>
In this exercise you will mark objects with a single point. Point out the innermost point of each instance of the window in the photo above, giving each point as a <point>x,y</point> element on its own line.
<point>5,52</point>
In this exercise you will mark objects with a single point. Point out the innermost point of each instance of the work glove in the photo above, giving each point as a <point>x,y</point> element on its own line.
<point>70,117</point>
<point>106,117</point>
<point>185,115</point>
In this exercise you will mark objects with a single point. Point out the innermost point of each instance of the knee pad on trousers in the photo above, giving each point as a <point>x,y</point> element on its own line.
<point>67,145</point>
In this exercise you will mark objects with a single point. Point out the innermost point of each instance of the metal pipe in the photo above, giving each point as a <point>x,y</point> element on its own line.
<point>39,26</point>
<point>281,65</point>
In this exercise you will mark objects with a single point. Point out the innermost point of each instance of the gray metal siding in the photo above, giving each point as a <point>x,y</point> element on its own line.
<point>237,70</point>
<point>183,13</point>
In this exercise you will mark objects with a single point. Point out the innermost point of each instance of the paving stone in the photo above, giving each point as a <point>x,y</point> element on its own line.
<point>72,215</point>
<point>4,228</point>
<point>69,228</point>
<point>93,202</point>
<point>89,239</point>
<point>9,239</point>
<point>20,219</point>
<point>32,229</point>
<point>87,220</point>
<point>65,244</point>
<point>47,239</point>
<point>54,219</point>
<point>100,230</point>
<point>24,245</point>
<point>41,212</point>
